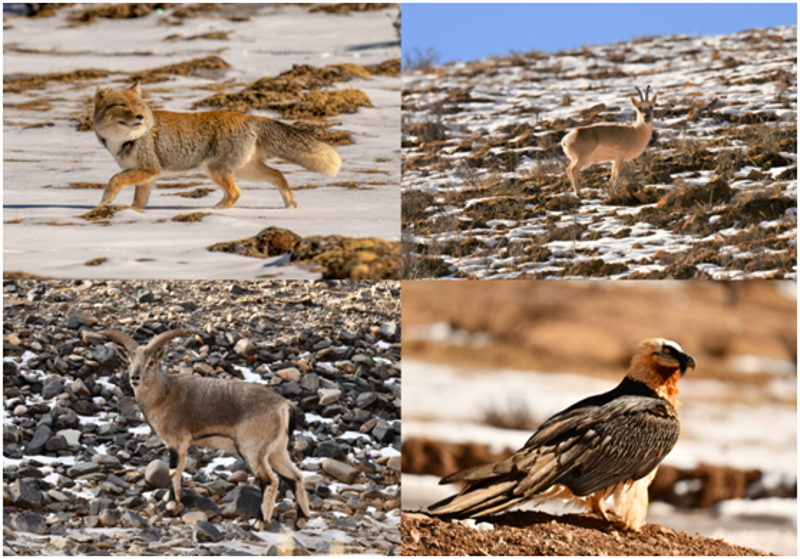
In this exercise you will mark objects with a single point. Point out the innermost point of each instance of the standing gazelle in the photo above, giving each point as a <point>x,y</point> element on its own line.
<point>610,142</point>
<point>238,417</point>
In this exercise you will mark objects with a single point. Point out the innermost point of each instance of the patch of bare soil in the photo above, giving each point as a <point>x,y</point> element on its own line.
<point>195,193</point>
<point>298,94</point>
<point>536,533</point>
<point>339,257</point>
<point>345,8</point>
<point>350,258</point>
<point>272,241</point>
<point>212,36</point>
<point>22,276</point>
<point>38,81</point>
<point>208,66</point>
<point>103,214</point>
<point>193,217</point>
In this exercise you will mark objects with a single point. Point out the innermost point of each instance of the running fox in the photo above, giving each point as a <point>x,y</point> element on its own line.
<point>151,144</point>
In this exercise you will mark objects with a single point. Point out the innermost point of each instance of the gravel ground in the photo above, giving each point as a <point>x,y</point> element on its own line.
<point>84,474</point>
<point>535,533</point>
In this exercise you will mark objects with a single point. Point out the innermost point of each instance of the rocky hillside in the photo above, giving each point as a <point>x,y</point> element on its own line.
<point>485,193</point>
<point>84,474</point>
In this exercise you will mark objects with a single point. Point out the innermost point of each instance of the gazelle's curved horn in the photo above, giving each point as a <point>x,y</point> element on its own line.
<point>127,342</point>
<point>641,97</point>
<point>164,337</point>
<point>647,93</point>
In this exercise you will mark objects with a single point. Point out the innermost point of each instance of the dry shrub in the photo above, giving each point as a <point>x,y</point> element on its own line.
<point>38,81</point>
<point>113,11</point>
<point>413,205</point>
<point>193,217</point>
<point>272,241</point>
<point>208,66</point>
<point>514,415</point>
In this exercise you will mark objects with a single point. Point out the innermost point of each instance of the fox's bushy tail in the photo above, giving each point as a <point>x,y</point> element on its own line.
<point>287,142</point>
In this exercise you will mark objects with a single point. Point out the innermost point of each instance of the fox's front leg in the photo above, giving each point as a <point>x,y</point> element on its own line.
<point>128,178</point>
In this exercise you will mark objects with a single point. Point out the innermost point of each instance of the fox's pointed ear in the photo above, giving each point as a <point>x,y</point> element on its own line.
<point>99,94</point>
<point>135,87</point>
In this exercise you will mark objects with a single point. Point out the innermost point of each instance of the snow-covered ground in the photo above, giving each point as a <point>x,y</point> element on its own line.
<point>42,234</point>
<point>483,172</point>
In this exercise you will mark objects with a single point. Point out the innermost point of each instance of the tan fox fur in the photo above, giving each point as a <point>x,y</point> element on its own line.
<point>151,144</point>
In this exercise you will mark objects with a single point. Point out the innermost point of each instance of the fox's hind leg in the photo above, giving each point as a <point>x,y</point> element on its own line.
<point>229,187</point>
<point>256,171</point>
<point>142,195</point>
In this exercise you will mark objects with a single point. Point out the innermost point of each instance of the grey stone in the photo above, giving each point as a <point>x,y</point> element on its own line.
<point>106,356</point>
<point>291,389</point>
<point>345,522</point>
<point>363,360</point>
<point>389,330</point>
<point>383,431</point>
<point>322,490</point>
<point>329,449</point>
<point>207,506</point>
<point>328,396</point>
<point>106,429</point>
<point>109,517</point>
<point>245,348</point>
<point>37,444</point>
<point>30,522</point>
<point>25,493</point>
<point>365,399</point>
<point>310,381</point>
<point>96,506</point>
<point>55,444</point>
<point>83,407</point>
<point>107,460</point>
<point>157,474</point>
<point>145,296</point>
<point>339,470</point>
<point>132,520</point>
<point>244,501</point>
<point>72,436</point>
<point>52,388</point>
<point>82,469</point>
<point>204,532</point>
<point>332,410</point>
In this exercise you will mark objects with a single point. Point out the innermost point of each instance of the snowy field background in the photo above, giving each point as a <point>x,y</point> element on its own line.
<point>42,234</point>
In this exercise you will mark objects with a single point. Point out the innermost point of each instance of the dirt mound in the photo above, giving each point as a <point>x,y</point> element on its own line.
<point>340,257</point>
<point>535,533</point>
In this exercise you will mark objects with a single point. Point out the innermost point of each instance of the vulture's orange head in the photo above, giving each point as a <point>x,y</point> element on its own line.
<point>659,363</point>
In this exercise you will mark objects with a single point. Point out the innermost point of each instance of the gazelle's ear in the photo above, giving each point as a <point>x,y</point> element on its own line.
<point>653,100</point>
<point>634,101</point>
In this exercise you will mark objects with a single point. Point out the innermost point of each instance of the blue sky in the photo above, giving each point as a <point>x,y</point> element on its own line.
<point>473,31</point>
